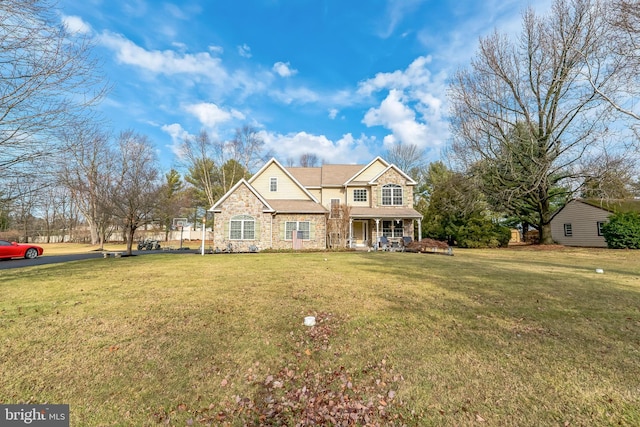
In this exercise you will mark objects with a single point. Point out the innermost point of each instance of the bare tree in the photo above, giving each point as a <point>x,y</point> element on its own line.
<point>538,83</point>
<point>87,171</point>
<point>136,189</point>
<point>247,148</point>
<point>623,60</point>
<point>215,166</point>
<point>198,154</point>
<point>407,157</point>
<point>173,200</point>
<point>47,79</point>
<point>309,160</point>
<point>338,227</point>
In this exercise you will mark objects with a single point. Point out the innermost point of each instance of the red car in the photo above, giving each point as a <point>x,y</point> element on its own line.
<point>18,250</point>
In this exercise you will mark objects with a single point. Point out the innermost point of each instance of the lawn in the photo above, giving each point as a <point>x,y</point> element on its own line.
<point>497,337</point>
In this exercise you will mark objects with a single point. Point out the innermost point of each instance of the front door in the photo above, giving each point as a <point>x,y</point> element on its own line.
<point>360,233</point>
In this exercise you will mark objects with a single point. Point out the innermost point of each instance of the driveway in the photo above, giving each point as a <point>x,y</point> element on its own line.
<point>56,259</point>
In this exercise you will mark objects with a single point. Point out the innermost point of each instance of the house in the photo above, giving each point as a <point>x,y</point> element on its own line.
<point>579,222</point>
<point>316,207</point>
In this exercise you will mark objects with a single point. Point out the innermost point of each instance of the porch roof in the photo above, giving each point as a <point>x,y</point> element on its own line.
<point>373,213</point>
<point>296,206</point>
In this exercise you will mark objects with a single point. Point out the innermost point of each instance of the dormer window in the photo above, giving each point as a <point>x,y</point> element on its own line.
<point>391,195</point>
<point>273,185</point>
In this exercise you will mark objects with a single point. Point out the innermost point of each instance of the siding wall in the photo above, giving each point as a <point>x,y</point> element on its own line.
<point>287,189</point>
<point>366,204</point>
<point>332,193</point>
<point>584,220</point>
<point>371,172</point>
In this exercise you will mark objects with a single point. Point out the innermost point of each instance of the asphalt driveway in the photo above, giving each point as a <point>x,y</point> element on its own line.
<point>56,259</point>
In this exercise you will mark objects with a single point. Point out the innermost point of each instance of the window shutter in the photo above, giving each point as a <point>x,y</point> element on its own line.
<point>226,230</point>
<point>256,229</point>
<point>312,230</point>
<point>282,231</point>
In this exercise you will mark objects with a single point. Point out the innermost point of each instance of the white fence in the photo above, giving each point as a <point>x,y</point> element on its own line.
<point>185,235</point>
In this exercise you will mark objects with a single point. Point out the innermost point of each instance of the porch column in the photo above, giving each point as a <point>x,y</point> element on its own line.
<point>375,242</point>
<point>419,229</point>
<point>350,233</point>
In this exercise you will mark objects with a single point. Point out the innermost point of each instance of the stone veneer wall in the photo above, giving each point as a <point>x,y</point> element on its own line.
<point>318,240</point>
<point>392,177</point>
<point>242,202</point>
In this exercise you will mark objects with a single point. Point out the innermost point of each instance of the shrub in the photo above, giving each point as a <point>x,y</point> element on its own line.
<point>478,232</point>
<point>622,231</point>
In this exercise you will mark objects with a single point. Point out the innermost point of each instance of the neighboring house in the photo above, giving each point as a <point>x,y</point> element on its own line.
<point>315,207</point>
<point>579,222</point>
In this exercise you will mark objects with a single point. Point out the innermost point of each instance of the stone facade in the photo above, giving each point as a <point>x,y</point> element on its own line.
<point>244,202</point>
<point>269,227</point>
<point>298,199</point>
<point>318,232</point>
<point>392,177</point>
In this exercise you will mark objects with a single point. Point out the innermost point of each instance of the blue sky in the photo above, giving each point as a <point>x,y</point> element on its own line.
<point>342,79</point>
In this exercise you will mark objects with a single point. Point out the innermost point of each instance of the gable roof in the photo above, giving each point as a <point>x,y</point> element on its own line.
<point>615,205</point>
<point>352,180</point>
<point>611,206</point>
<point>273,161</point>
<point>215,207</point>
<point>410,180</point>
<point>297,206</point>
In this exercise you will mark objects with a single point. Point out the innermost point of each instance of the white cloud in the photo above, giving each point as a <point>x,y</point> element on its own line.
<point>396,10</point>
<point>244,51</point>
<point>394,115</point>
<point>76,25</point>
<point>211,115</point>
<point>178,135</point>
<point>416,74</point>
<point>413,109</point>
<point>216,49</point>
<point>163,62</point>
<point>292,146</point>
<point>175,11</point>
<point>333,113</point>
<point>283,69</point>
<point>300,95</point>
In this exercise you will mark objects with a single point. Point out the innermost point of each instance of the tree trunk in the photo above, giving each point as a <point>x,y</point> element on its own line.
<point>545,234</point>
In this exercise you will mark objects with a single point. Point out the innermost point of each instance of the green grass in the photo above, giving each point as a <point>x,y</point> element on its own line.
<point>496,337</point>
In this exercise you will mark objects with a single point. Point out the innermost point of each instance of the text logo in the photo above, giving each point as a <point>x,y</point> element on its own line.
<point>34,415</point>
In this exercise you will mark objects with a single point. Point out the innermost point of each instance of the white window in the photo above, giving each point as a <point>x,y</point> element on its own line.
<point>360,195</point>
<point>392,195</point>
<point>599,225</point>
<point>393,228</point>
<point>273,184</point>
<point>242,227</point>
<point>568,230</point>
<point>335,208</point>
<point>303,226</point>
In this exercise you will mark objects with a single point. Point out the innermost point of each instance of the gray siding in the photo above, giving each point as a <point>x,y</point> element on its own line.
<point>584,220</point>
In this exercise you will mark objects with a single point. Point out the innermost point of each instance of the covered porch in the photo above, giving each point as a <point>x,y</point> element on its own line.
<point>368,225</point>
